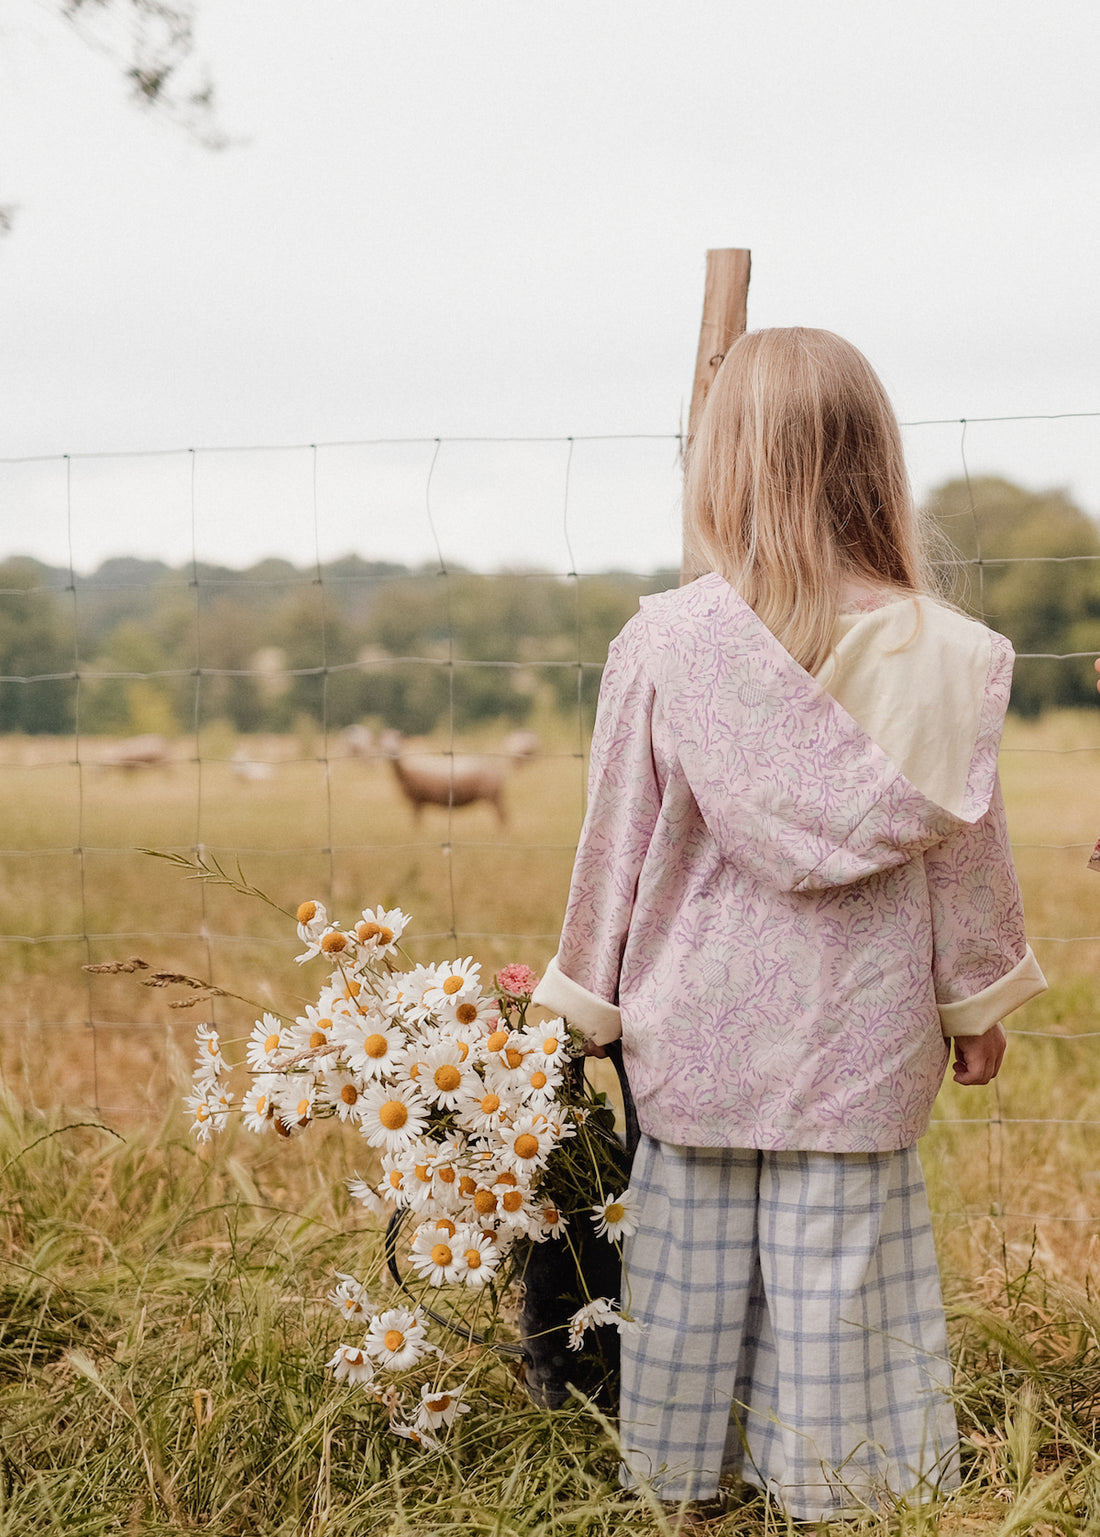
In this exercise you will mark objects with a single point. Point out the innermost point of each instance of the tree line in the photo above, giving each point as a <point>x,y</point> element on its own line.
<point>138,646</point>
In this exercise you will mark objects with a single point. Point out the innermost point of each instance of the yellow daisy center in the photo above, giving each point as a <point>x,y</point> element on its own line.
<point>485,1202</point>
<point>615,1212</point>
<point>466,1013</point>
<point>551,1215</point>
<point>447,1176</point>
<point>525,1145</point>
<point>260,1103</point>
<point>307,912</point>
<point>349,1094</point>
<point>498,1040</point>
<point>375,1046</point>
<point>395,1178</point>
<point>318,1038</point>
<point>202,1113</point>
<point>438,1405</point>
<point>550,1045</point>
<point>507,1178</point>
<point>454,984</point>
<point>367,931</point>
<point>467,1185</point>
<point>271,1043</point>
<point>442,1255</point>
<point>354,1356</point>
<point>332,944</point>
<point>423,1174</point>
<point>473,1259</point>
<point>303,1107</point>
<point>513,1200</point>
<point>393,1114</point>
<point>490,1104</point>
<point>445,1225</point>
<point>353,989</point>
<point>447,1077</point>
<point>394,1339</point>
<point>538,1080</point>
<point>513,1057</point>
<point>212,1047</point>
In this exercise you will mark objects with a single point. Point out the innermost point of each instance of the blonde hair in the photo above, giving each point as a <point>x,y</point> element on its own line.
<point>795,482</point>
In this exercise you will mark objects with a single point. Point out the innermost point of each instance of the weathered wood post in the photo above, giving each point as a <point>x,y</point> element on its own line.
<point>725,316</point>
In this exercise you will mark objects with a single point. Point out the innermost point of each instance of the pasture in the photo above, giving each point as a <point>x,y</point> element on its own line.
<point>164,1323</point>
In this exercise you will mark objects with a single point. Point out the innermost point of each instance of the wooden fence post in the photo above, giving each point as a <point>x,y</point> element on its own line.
<point>725,316</point>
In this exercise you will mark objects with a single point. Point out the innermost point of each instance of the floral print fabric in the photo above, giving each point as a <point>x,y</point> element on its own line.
<point>775,909</point>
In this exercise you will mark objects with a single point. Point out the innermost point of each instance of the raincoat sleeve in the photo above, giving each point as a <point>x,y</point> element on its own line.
<point>982,965</point>
<point>624,799</point>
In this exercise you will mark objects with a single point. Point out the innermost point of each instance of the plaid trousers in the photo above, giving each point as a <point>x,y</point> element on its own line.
<point>794,1329</point>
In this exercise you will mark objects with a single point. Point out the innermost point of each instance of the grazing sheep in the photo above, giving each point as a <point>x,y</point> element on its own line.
<point>138,752</point>
<point>453,780</point>
<point>251,770</point>
<point>358,742</point>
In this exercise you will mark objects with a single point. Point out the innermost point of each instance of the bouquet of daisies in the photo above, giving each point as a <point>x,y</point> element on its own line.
<point>488,1140</point>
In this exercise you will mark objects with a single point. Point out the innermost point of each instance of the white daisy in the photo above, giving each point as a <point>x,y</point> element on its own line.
<point>309,1030</point>
<point>493,1110</point>
<point>526,1144</point>
<point>312,923</point>
<point>433,1256</point>
<point>438,1407</point>
<point>455,981</point>
<point>478,1255</point>
<point>351,1364</point>
<point>378,1047</point>
<point>398,1338</point>
<point>343,1091</point>
<point>479,1016</point>
<point>392,1116</point>
<point>377,932</point>
<point>266,1039</point>
<point>422,1438</point>
<point>541,1080</point>
<point>548,1043</point>
<point>258,1105</point>
<point>209,1106</point>
<point>407,993</point>
<point>209,1057</point>
<point>295,1097</point>
<point>365,1194</point>
<point>550,1222</point>
<point>617,1217</point>
<point>444,1079</point>
<point>350,1297</point>
<point>601,1310</point>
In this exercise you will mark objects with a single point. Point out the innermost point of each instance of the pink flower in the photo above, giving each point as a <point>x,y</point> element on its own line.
<point>517,981</point>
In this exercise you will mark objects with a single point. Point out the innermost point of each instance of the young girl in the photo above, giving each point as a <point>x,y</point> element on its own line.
<point>793,893</point>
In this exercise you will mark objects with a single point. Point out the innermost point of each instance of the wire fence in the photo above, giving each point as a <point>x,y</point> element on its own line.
<point>530,551</point>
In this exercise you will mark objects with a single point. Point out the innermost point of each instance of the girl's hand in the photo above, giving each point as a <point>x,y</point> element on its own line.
<point>1096,664</point>
<point>978,1057</point>
<point>592,1050</point>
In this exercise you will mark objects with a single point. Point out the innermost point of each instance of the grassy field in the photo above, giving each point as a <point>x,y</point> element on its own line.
<point>164,1324</point>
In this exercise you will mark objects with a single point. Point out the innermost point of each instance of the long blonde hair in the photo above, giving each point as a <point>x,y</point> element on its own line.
<point>795,482</point>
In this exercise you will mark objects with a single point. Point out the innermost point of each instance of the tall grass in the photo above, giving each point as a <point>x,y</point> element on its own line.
<point>163,1323</point>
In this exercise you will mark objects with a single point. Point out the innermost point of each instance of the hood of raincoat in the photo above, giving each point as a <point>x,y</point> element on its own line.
<point>809,782</point>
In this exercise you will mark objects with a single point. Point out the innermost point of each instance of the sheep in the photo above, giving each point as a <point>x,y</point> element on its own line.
<point>138,752</point>
<point>453,780</point>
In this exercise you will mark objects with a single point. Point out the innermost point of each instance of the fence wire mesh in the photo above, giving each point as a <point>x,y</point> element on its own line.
<point>475,540</point>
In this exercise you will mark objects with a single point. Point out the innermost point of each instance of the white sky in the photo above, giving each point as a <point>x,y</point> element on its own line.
<point>489,219</point>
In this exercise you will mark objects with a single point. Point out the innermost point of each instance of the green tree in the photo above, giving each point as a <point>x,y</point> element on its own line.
<point>36,653</point>
<point>1029,564</point>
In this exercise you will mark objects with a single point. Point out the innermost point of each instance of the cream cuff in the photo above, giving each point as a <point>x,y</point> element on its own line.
<point>976,1015</point>
<point>593,1016</point>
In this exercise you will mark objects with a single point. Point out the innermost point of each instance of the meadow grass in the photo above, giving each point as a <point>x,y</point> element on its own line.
<point>163,1323</point>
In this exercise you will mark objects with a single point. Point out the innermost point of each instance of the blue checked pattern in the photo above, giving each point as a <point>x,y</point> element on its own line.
<point>795,1332</point>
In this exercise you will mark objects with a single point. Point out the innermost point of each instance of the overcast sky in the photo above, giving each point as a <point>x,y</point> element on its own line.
<point>488,218</point>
